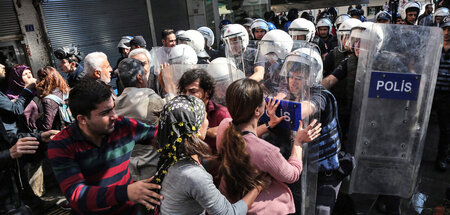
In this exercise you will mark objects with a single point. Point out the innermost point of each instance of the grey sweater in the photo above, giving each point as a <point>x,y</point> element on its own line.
<point>189,189</point>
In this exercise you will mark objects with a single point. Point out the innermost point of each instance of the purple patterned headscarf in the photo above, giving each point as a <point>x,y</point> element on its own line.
<point>15,82</point>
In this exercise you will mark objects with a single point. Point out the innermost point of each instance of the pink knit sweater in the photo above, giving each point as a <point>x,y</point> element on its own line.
<point>277,198</point>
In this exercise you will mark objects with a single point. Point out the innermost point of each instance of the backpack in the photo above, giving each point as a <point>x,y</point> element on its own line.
<point>64,111</point>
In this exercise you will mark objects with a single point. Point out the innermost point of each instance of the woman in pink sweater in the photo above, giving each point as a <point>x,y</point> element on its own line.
<point>244,156</point>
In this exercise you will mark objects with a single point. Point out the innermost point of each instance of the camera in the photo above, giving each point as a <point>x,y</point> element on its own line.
<point>68,52</point>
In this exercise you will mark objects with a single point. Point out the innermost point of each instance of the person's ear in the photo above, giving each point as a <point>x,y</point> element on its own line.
<point>82,119</point>
<point>258,112</point>
<point>139,79</point>
<point>208,94</point>
<point>97,74</point>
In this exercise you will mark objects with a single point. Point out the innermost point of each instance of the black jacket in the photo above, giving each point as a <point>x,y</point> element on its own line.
<point>12,177</point>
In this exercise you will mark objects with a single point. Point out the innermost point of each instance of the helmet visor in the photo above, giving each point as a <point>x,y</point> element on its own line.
<point>342,37</point>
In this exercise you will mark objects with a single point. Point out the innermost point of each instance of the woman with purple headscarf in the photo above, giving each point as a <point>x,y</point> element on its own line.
<point>18,77</point>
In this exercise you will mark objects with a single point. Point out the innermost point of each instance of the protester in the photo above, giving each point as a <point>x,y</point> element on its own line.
<point>90,157</point>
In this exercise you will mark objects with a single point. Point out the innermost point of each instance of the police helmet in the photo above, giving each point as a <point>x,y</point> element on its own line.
<point>302,26</point>
<point>182,54</point>
<point>340,19</point>
<point>235,31</point>
<point>325,22</point>
<point>208,34</point>
<point>70,53</point>
<point>383,15</point>
<point>442,12</point>
<point>276,42</point>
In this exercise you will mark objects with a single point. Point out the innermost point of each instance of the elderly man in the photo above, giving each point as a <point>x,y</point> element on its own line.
<point>143,104</point>
<point>144,56</point>
<point>96,66</point>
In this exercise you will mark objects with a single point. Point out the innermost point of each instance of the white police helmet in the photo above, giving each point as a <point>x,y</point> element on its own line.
<point>259,24</point>
<point>442,11</point>
<point>410,6</point>
<point>308,57</point>
<point>301,26</point>
<point>325,22</point>
<point>276,42</point>
<point>125,42</point>
<point>182,54</point>
<point>340,19</point>
<point>235,31</point>
<point>194,39</point>
<point>207,34</point>
<point>220,69</point>
<point>344,30</point>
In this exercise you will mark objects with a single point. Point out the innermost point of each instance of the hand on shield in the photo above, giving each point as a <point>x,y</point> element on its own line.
<point>311,132</point>
<point>165,79</point>
<point>271,107</point>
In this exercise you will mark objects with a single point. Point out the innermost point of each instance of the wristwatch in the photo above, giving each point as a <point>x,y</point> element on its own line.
<point>268,126</point>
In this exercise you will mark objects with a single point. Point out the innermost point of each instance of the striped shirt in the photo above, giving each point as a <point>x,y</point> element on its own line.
<point>443,79</point>
<point>95,179</point>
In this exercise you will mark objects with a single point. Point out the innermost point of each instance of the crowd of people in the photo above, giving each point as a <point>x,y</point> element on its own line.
<point>180,129</point>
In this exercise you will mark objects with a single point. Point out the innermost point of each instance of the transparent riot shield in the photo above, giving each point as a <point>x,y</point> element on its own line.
<point>159,56</point>
<point>172,74</point>
<point>239,54</point>
<point>224,74</point>
<point>392,102</point>
<point>290,81</point>
<point>253,44</point>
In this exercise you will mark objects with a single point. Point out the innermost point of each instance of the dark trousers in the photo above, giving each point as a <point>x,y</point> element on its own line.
<point>441,104</point>
<point>327,190</point>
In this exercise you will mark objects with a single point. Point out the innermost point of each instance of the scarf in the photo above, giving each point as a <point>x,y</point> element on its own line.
<point>181,118</point>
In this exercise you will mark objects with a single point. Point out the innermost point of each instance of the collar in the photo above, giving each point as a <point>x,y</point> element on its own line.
<point>211,106</point>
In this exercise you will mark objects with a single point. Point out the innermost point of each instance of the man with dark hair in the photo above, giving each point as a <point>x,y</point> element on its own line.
<point>199,83</point>
<point>69,62</point>
<point>168,38</point>
<point>426,18</point>
<point>90,157</point>
<point>441,100</point>
<point>137,42</point>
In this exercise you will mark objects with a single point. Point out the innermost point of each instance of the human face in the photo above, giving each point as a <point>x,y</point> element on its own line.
<point>296,80</point>
<point>143,58</point>
<point>106,71</point>
<point>125,52</point>
<point>323,32</point>
<point>26,75</point>
<point>400,21</point>
<point>194,89</point>
<point>102,119</point>
<point>64,65</point>
<point>438,19</point>
<point>235,46</point>
<point>411,16</point>
<point>299,37</point>
<point>170,41</point>
<point>429,9</point>
<point>259,34</point>
<point>446,34</point>
<point>384,21</point>
<point>2,72</point>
